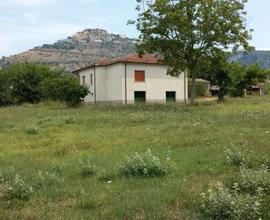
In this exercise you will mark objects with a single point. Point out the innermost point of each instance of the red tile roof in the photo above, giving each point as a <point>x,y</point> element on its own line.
<point>131,58</point>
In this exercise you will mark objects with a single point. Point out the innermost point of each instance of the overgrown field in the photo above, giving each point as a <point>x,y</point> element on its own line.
<point>43,144</point>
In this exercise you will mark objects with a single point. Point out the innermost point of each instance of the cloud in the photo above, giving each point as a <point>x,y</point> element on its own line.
<point>20,3</point>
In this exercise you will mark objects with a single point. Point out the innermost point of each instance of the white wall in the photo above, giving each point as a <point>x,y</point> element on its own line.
<point>110,83</point>
<point>115,85</point>
<point>87,73</point>
<point>156,84</point>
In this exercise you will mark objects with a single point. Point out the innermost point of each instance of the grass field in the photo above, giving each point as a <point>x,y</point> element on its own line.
<point>52,138</point>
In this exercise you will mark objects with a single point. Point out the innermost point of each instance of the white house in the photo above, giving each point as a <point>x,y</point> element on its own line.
<point>132,79</point>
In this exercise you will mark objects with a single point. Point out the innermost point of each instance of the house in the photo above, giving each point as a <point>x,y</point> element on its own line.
<point>132,79</point>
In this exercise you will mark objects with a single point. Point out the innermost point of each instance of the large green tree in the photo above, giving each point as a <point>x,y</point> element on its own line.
<point>182,32</point>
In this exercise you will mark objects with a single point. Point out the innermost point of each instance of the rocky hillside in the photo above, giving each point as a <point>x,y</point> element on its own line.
<point>90,45</point>
<point>77,51</point>
<point>260,57</point>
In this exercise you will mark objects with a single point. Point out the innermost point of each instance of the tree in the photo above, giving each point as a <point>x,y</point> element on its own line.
<point>5,89</point>
<point>182,32</point>
<point>216,70</point>
<point>65,88</point>
<point>243,77</point>
<point>33,83</point>
<point>25,80</point>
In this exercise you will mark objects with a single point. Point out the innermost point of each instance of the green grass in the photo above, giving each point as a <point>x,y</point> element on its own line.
<point>50,137</point>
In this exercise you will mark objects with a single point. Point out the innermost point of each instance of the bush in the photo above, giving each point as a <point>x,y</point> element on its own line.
<point>86,168</point>
<point>220,204</point>
<point>26,79</point>
<point>250,180</point>
<point>143,165</point>
<point>17,189</point>
<point>237,157</point>
<point>68,120</point>
<point>25,82</point>
<point>47,178</point>
<point>202,88</point>
<point>32,130</point>
<point>65,88</point>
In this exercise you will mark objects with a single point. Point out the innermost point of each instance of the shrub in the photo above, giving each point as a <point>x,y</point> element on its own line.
<point>47,178</point>
<point>220,204</point>
<point>266,162</point>
<point>65,88</point>
<point>266,88</point>
<point>17,189</point>
<point>68,120</point>
<point>202,88</point>
<point>25,82</point>
<point>32,130</point>
<point>237,157</point>
<point>86,167</point>
<point>143,165</point>
<point>250,180</point>
<point>26,79</point>
<point>5,90</point>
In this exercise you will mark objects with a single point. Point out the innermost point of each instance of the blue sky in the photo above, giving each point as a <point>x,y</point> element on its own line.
<point>28,23</point>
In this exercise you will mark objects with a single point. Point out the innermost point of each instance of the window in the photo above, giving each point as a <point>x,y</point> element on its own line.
<point>139,76</point>
<point>91,79</point>
<point>83,80</point>
<point>170,96</point>
<point>139,97</point>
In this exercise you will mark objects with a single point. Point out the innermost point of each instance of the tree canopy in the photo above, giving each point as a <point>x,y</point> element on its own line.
<point>183,32</point>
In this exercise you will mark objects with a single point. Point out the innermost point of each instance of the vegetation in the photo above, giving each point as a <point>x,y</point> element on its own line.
<point>143,165</point>
<point>231,78</point>
<point>184,32</point>
<point>25,82</point>
<point>221,203</point>
<point>194,136</point>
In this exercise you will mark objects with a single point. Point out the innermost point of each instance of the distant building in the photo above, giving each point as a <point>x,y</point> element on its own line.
<point>132,79</point>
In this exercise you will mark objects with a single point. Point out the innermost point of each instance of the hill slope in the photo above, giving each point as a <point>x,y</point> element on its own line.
<point>260,57</point>
<point>77,51</point>
<point>90,45</point>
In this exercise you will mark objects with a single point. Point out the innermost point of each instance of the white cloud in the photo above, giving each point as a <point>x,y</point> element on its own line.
<point>24,2</point>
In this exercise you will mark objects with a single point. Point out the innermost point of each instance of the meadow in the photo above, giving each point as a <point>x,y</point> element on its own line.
<point>44,143</point>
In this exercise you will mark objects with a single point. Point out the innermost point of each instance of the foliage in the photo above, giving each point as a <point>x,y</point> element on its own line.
<point>18,189</point>
<point>215,69</point>
<point>65,88</point>
<point>26,79</point>
<point>32,130</point>
<point>25,82</point>
<point>250,180</point>
<point>202,89</point>
<point>86,167</point>
<point>182,32</point>
<point>220,204</point>
<point>237,157</point>
<point>266,88</point>
<point>143,165</point>
<point>242,77</point>
<point>47,178</point>
<point>5,91</point>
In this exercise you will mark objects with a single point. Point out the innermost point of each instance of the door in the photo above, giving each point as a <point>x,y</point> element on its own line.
<point>170,96</point>
<point>140,97</point>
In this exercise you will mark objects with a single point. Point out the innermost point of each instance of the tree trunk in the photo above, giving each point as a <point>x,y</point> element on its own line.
<point>193,89</point>
<point>221,94</point>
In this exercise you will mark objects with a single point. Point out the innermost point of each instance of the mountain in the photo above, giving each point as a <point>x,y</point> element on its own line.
<point>82,49</point>
<point>260,57</point>
<point>86,47</point>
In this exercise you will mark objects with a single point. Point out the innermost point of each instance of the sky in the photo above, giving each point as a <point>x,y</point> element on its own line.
<point>28,23</point>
